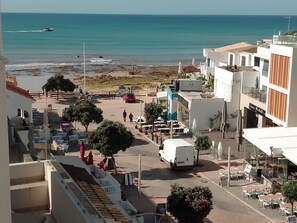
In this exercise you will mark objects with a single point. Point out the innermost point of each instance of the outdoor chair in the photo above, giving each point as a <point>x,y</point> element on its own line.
<point>249,194</point>
<point>267,203</point>
<point>260,200</point>
<point>234,175</point>
<point>275,203</point>
<point>241,175</point>
<point>292,219</point>
<point>259,192</point>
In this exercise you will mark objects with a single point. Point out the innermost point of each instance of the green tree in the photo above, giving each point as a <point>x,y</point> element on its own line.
<point>210,82</point>
<point>84,112</point>
<point>151,113</point>
<point>58,83</point>
<point>289,190</point>
<point>202,142</point>
<point>189,204</point>
<point>111,137</point>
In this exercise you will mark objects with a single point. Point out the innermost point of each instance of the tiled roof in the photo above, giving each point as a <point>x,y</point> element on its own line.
<point>248,49</point>
<point>18,90</point>
<point>236,46</point>
<point>95,193</point>
<point>191,69</point>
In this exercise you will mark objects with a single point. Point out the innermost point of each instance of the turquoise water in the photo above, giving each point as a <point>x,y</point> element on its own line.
<point>137,39</point>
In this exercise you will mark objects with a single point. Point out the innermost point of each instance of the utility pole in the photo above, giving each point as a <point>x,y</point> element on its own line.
<point>84,62</point>
<point>289,23</point>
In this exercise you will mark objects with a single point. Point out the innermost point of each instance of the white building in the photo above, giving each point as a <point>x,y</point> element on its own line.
<point>224,56</point>
<point>19,102</point>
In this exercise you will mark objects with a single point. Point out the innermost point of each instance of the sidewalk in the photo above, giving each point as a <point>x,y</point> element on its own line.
<point>229,203</point>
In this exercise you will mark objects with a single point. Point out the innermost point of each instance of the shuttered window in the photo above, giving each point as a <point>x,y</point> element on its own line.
<point>277,104</point>
<point>279,70</point>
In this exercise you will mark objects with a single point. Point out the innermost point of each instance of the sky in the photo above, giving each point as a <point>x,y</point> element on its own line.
<point>175,7</point>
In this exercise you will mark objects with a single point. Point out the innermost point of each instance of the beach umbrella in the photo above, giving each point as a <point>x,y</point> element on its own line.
<point>90,158</point>
<point>238,135</point>
<point>179,67</point>
<point>193,61</point>
<point>224,119</point>
<point>82,150</point>
<point>220,150</point>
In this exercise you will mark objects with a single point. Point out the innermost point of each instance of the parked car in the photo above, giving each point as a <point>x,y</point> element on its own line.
<point>129,97</point>
<point>67,127</point>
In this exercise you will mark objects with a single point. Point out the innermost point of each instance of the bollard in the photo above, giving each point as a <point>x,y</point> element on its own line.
<point>157,139</point>
<point>161,141</point>
<point>152,135</point>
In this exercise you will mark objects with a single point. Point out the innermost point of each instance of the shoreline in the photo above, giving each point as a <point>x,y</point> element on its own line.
<point>104,77</point>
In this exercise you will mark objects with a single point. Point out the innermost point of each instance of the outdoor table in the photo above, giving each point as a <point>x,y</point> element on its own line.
<point>146,127</point>
<point>164,130</point>
<point>179,129</point>
<point>255,187</point>
<point>277,196</point>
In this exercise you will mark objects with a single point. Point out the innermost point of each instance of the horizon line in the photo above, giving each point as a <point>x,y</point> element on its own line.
<point>146,14</point>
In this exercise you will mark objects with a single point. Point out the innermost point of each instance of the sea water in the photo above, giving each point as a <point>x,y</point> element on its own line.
<point>128,39</point>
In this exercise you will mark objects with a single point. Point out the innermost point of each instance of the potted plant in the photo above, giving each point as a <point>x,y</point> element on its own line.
<point>211,122</point>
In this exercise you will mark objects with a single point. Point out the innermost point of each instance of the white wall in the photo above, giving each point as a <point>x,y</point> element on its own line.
<point>249,78</point>
<point>64,206</point>
<point>15,101</point>
<point>27,196</point>
<point>223,84</point>
<point>292,99</point>
<point>203,109</point>
<point>27,170</point>
<point>5,209</point>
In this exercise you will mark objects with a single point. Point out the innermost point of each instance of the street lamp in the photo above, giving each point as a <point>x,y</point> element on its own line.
<point>84,63</point>
<point>45,125</point>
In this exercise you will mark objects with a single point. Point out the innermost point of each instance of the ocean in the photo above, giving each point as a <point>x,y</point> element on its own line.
<point>128,39</point>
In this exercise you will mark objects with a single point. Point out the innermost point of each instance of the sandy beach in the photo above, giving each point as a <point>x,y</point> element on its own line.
<point>99,79</point>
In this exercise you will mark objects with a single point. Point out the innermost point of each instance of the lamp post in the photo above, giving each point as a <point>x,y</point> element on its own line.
<point>45,125</point>
<point>84,63</point>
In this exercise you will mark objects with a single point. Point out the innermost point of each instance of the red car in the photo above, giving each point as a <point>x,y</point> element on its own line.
<point>129,97</point>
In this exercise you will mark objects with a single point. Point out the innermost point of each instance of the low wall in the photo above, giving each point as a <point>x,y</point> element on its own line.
<point>26,172</point>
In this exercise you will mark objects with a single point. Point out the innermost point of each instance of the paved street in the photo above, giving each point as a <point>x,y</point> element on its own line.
<point>229,204</point>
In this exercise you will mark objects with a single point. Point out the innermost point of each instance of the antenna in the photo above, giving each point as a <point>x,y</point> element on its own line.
<point>289,23</point>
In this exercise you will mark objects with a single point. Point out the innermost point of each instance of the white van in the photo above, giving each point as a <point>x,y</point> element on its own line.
<point>178,153</point>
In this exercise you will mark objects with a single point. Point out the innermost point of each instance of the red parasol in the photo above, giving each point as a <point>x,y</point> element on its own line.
<point>90,158</point>
<point>82,150</point>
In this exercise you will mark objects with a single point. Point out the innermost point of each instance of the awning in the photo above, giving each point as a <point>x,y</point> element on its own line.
<point>272,139</point>
<point>291,154</point>
<point>162,95</point>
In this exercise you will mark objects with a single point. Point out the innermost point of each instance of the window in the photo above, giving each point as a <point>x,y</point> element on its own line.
<point>243,59</point>
<point>231,60</point>
<point>265,68</point>
<point>257,62</point>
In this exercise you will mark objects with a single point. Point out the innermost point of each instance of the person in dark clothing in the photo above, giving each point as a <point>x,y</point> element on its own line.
<point>124,115</point>
<point>131,117</point>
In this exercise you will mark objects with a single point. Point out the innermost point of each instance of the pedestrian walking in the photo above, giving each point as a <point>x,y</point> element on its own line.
<point>124,115</point>
<point>131,117</point>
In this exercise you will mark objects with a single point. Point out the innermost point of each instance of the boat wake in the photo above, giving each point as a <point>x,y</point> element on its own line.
<point>24,31</point>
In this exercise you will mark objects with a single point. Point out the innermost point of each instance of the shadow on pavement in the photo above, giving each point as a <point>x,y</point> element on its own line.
<point>207,165</point>
<point>143,204</point>
<point>163,174</point>
<point>139,142</point>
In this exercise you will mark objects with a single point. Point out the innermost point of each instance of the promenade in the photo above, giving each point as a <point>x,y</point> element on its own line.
<point>229,203</point>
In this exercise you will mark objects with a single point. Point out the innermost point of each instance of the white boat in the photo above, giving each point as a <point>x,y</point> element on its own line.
<point>100,60</point>
<point>48,29</point>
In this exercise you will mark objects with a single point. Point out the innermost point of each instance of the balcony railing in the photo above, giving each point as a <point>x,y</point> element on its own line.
<point>285,40</point>
<point>255,93</point>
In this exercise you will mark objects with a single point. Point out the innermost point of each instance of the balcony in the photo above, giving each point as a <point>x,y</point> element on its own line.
<point>285,40</point>
<point>259,95</point>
